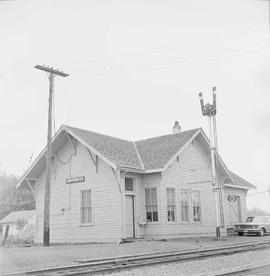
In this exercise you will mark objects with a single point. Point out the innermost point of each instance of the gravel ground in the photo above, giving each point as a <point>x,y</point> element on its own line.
<point>31,258</point>
<point>206,267</point>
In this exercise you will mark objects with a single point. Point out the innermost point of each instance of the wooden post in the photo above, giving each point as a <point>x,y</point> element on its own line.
<point>47,199</point>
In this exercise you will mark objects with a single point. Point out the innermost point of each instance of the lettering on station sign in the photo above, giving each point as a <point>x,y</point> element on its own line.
<point>75,179</point>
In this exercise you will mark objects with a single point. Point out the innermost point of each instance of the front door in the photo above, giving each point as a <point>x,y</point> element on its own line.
<point>130,228</point>
<point>235,211</point>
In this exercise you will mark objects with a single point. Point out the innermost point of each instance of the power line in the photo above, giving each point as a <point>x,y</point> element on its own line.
<point>162,67</point>
<point>68,102</point>
<point>183,44</point>
<point>262,192</point>
<point>37,134</point>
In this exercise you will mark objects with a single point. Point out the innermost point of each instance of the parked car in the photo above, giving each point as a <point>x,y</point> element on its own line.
<point>259,225</point>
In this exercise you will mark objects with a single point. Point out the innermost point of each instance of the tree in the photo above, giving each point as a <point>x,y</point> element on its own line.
<point>12,199</point>
<point>256,211</point>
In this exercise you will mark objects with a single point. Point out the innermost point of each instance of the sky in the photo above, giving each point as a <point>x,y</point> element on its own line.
<point>136,67</point>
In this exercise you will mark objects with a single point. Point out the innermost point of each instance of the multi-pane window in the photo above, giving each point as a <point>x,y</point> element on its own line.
<point>196,203</point>
<point>184,198</point>
<point>129,184</point>
<point>151,204</point>
<point>171,204</point>
<point>86,207</point>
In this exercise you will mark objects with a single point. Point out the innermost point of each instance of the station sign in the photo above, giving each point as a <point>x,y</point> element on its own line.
<point>75,179</point>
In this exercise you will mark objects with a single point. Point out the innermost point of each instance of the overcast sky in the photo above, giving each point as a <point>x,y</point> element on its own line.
<point>135,67</point>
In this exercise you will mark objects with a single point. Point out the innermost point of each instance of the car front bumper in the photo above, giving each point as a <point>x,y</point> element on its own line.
<point>249,230</point>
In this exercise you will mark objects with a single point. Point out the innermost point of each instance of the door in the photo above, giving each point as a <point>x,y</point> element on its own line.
<point>235,210</point>
<point>130,227</point>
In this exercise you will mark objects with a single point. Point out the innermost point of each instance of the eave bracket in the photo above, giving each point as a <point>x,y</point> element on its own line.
<point>94,159</point>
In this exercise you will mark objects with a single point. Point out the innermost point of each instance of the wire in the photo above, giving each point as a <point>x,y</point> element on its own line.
<point>161,67</point>
<point>262,192</point>
<point>210,52</point>
<point>68,101</point>
<point>53,112</point>
<point>37,134</point>
<point>65,162</point>
<point>183,44</point>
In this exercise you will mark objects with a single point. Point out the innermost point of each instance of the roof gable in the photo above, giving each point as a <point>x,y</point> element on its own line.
<point>239,181</point>
<point>120,152</point>
<point>157,152</point>
<point>144,156</point>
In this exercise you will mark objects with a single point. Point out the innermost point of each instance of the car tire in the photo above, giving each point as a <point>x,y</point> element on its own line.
<point>240,234</point>
<point>261,232</point>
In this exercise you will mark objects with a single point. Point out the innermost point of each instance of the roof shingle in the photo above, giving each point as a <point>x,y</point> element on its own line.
<point>156,152</point>
<point>142,156</point>
<point>119,151</point>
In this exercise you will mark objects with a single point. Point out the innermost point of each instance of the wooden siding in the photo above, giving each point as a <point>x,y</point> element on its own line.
<point>193,166</point>
<point>65,200</point>
<point>149,181</point>
<point>192,171</point>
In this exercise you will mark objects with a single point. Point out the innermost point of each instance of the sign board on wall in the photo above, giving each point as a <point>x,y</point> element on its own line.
<point>75,179</point>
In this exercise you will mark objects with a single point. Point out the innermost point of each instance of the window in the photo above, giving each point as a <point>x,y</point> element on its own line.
<point>196,202</point>
<point>171,204</point>
<point>129,184</point>
<point>184,198</point>
<point>86,207</point>
<point>151,204</point>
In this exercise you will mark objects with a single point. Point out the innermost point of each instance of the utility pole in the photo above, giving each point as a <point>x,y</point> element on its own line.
<point>269,192</point>
<point>210,111</point>
<point>47,199</point>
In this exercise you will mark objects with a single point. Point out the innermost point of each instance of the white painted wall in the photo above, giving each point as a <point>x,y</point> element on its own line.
<point>65,225</point>
<point>193,166</point>
<point>152,229</point>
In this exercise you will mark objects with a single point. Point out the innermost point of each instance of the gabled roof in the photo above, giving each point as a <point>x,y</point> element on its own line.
<point>144,156</point>
<point>120,152</point>
<point>156,152</point>
<point>239,181</point>
<point>13,217</point>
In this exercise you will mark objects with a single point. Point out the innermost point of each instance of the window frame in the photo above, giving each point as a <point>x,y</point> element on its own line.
<point>188,205</point>
<point>134,185</point>
<point>192,216</point>
<point>174,205</point>
<point>150,188</point>
<point>81,207</point>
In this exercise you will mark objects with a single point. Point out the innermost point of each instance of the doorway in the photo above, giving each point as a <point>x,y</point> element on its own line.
<point>130,225</point>
<point>235,211</point>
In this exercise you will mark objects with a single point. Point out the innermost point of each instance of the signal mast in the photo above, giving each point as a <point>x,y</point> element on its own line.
<point>210,111</point>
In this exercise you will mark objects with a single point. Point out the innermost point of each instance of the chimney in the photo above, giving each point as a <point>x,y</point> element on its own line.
<point>176,127</point>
